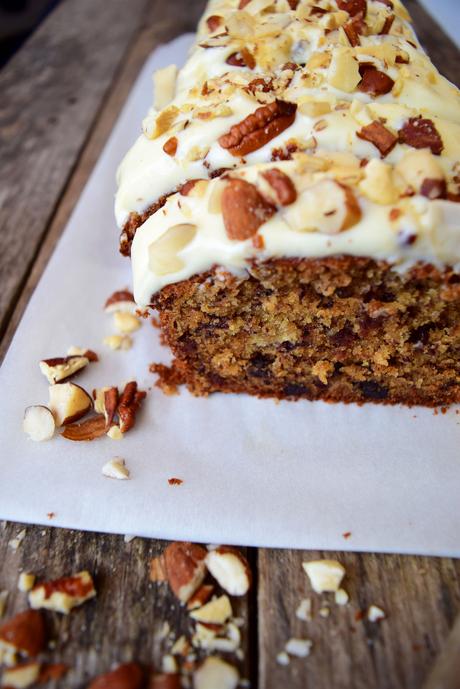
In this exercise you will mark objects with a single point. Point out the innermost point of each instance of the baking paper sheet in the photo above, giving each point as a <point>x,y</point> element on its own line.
<point>255,472</point>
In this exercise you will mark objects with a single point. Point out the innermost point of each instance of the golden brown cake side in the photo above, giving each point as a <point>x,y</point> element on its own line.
<point>338,329</point>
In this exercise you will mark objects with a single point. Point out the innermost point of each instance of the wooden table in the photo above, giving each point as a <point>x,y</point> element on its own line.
<point>61,95</point>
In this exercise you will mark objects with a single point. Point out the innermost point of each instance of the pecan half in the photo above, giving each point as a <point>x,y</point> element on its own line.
<point>374,82</point>
<point>244,209</point>
<point>213,22</point>
<point>130,400</point>
<point>258,128</point>
<point>353,7</point>
<point>243,58</point>
<point>421,133</point>
<point>382,138</point>
<point>282,185</point>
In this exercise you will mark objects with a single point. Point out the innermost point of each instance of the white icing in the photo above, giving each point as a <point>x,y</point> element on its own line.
<point>147,172</point>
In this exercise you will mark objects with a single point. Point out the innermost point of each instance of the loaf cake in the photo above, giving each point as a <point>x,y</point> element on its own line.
<point>291,207</point>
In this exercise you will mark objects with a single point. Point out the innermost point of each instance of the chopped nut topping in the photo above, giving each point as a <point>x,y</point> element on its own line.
<point>376,133</point>
<point>421,133</point>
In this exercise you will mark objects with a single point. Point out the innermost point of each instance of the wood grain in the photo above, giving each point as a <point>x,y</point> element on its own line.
<point>419,595</point>
<point>125,620</point>
<point>51,91</point>
<point>158,24</point>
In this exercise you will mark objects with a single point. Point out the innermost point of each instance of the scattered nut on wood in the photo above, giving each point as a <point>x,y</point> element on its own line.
<point>26,582</point>
<point>217,611</point>
<point>230,569</point>
<point>298,647</point>
<point>185,567</point>
<point>303,611</point>
<point>341,597</point>
<point>375,614</point>
<point>126,676</point>
<point>21,676</point>
<point>3,599</point>
<point>324,575</point>
<point>24,633</point>
<point>214,673</point>
<point>62,595</point>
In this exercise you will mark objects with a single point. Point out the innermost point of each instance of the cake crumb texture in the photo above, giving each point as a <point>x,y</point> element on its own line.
<point>338,329</point>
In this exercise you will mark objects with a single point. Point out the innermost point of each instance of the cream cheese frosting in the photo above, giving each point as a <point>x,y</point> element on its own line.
<point>346,74</point>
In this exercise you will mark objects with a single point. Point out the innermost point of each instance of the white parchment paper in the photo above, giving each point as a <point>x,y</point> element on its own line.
<point>255,472</point>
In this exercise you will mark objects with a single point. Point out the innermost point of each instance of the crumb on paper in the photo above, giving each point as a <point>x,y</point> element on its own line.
<point>118,342</point>
<point>50,515</point>
<point>116,468</point>
<point>175,481</point>
<point>114,433</point>
<point>375,614</point>
<point>17,540</point>
<point>346,534</point>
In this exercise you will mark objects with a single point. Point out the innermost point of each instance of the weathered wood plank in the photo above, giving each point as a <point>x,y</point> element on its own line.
<point>51,91</point>
<point>159,24</point>
<point>125,620</point>
<point>420,596</point>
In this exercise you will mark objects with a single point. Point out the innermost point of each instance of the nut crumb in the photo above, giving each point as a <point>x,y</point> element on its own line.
<point>303,611</point>
<point>26,582</point>
<point>116,468</point>
<point>375,614</point>
<point>16,542</point>
<point>300,648</point>
<point>282,658</point>
<point>175,481</point>
<point>341,597</point>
